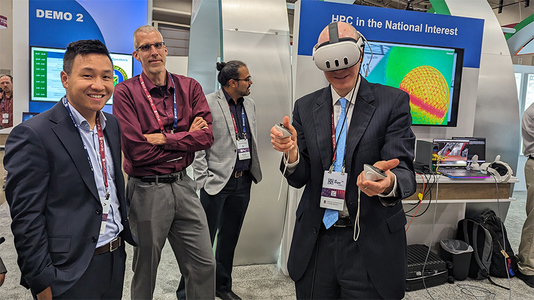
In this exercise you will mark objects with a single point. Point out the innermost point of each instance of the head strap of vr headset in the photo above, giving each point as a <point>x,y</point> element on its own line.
<point>333,36</point>
<point>333,33</point>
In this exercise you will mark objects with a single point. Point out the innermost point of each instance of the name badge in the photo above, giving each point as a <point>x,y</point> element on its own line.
<point>106,204</point>
<point>333,192</point>
<point>243,150</point>
<point>5,116</point>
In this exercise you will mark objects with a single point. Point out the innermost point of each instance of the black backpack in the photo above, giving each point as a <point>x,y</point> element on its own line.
<point>486,234</point>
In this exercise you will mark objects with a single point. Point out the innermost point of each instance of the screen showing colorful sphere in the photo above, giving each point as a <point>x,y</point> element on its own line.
<point>430,75</point>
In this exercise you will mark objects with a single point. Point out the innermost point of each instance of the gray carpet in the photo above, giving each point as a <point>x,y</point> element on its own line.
<point>267,282</point>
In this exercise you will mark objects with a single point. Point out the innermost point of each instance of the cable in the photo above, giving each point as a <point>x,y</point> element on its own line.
<point>420,196</point>
<point>431,236</point>
<point>283,175</point>
<point>420,201</point>
<point>503,246</point>
<point>467,289</point>
<point>439,158</point>
<point>429,193</point>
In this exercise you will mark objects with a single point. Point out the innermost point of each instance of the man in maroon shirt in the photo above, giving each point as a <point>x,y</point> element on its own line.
<point>6,101</point>
<point>164,119</point>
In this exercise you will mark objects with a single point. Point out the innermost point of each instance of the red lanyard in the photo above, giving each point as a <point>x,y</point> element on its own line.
<point>152,105</point>
<point>102,147</point>
<point>235,126</point>
<point>242,119</point>
<point>4,100</point>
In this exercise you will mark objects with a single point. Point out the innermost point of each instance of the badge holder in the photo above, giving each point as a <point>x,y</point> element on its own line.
<point>334,188</point>
<point>106,204</point>
<point>243,149</point>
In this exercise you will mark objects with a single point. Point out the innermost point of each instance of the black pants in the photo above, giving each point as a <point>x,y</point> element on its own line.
<point>103,279</point>
<point>336,269</point>
<point>225,212</point>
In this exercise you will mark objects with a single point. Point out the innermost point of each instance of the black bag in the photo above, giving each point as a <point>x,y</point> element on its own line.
<point>486,234</point>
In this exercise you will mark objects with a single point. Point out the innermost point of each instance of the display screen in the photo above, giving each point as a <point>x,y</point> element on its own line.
<point>27,115</point>
<point>450,152</point>
<point>476,146</point>
<point>430,75</point>
<point>47,63</point>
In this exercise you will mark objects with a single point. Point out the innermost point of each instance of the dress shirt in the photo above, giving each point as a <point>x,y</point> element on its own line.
<point>90,140</point>
<point>235,110</point>
<point>7,108</point>
<point>136,117</point>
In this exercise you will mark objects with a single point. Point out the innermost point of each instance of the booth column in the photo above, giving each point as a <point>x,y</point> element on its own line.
<point>257,33</point>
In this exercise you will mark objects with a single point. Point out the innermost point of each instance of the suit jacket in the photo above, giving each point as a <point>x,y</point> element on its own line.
<point>53,198</point>
<point>380,129</point>
<point>213,167</point>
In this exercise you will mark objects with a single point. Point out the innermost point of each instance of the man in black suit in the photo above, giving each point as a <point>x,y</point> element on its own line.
<point>65,187</point>
<point>355,249</point>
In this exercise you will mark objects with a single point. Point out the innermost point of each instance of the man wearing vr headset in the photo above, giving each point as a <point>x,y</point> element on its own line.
<point>353,247</point>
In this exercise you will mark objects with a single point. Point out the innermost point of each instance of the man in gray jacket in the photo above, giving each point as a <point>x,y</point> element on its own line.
<point>224,173</point>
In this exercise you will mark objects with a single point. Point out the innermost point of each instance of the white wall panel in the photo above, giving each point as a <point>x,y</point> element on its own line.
<point>257,33</point>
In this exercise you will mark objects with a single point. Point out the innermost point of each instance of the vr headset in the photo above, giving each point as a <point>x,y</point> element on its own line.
<point>338,53</point>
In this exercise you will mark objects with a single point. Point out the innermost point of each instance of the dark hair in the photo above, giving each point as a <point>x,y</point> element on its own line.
<point>228,70</point>
<point>10,77</point>
<point>83,47</point>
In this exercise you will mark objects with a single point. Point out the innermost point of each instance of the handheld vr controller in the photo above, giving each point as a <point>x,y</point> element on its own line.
<point>373,173</point>
<point>283,130</point>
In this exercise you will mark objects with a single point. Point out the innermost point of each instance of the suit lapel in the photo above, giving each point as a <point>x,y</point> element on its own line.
<point>223,104</point>
<point>249,111</point>
<point>361,116</point>
<point>71,140</point>
<point>322,116</point>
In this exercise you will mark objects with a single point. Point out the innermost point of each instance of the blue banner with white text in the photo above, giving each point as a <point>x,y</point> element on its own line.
<point>393,25</point>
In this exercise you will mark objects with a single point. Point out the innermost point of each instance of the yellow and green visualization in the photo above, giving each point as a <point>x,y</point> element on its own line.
<point>429,95</point>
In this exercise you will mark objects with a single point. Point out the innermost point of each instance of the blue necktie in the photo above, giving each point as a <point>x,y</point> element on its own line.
<point>330,215</point>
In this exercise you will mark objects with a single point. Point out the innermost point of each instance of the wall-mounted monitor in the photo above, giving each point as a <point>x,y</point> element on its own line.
<point>46,65</point>
<point>430,75</point>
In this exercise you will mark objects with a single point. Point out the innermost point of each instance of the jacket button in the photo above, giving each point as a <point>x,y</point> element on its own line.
<point>98,211</point>
<point>314,230</point>
<point>94,239</point>
<point>351,202</point>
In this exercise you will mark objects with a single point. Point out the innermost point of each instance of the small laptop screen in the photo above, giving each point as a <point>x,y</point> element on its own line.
<point>450,153</point>
<point>476,146</point>
<point>27,115</point>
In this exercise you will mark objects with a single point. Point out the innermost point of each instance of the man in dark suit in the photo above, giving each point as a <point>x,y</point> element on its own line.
<point>65,187</point>
<point>355,249</point>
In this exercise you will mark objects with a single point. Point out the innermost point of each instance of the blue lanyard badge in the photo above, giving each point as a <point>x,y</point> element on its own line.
<point>244,122</point>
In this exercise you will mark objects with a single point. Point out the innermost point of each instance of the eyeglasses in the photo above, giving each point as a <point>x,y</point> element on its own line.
<point>147,47</point>
<point>248,79</point>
